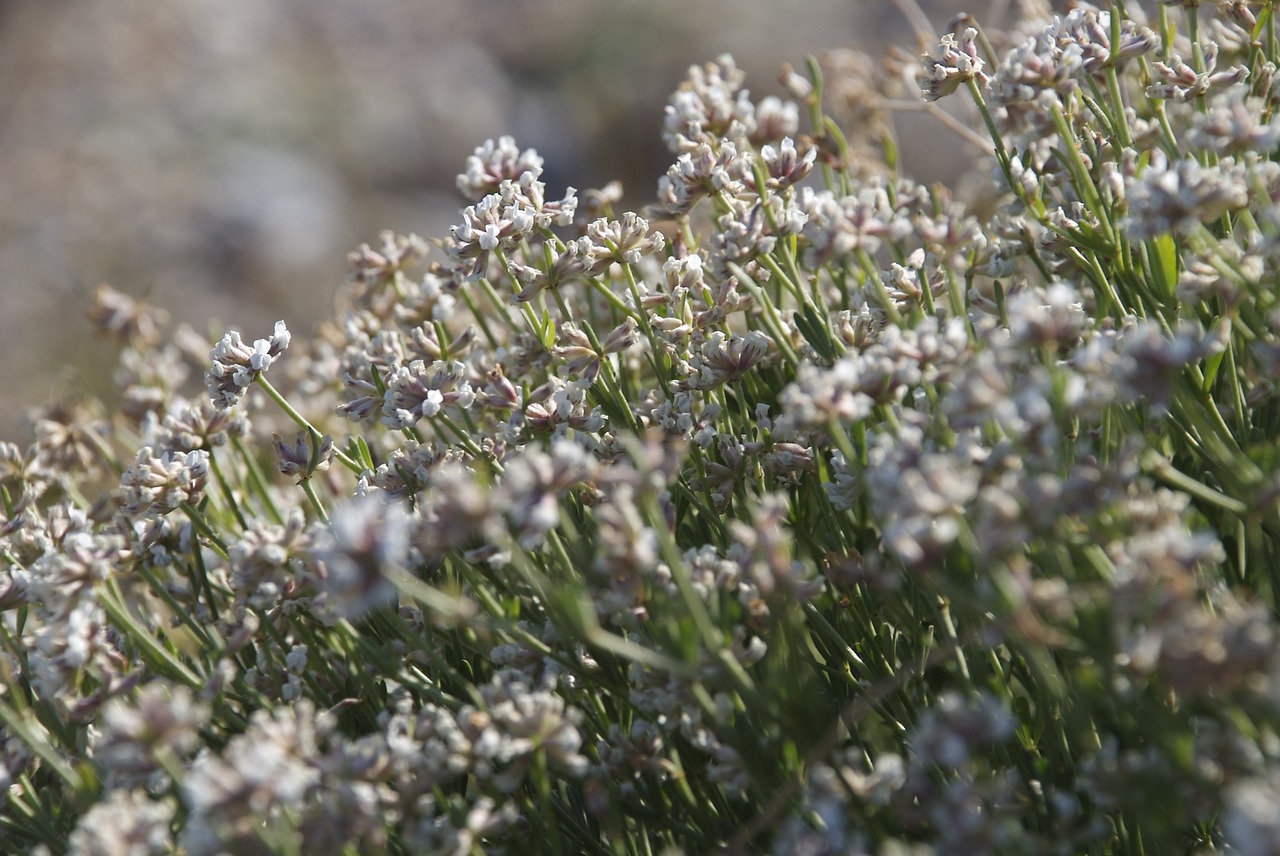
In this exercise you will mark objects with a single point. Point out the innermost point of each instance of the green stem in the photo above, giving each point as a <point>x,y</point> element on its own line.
<point>257,482</point>
<point>310,491</point>
<point>769,313</point>
<point>157,655</point>
<point>226,491</point>
<point>182,613</point>
<point>480,319</point>
<point>1163,469</point>
<point>18,725</point>
<point>302,421</point>
<point>202,526</point>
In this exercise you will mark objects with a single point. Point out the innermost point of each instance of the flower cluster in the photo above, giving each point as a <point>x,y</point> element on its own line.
<point>235,365</point>
<point>811,510</point>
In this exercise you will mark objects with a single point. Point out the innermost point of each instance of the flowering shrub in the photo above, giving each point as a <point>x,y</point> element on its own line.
<point>811,512</point>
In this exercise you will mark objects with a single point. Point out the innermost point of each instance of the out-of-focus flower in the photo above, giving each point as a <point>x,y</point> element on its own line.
<point>150,732</point>
<point>1179,81</point>
<point>125,320</point>
<point>124,823</point>
<point>1249,822</point>
<point>1178,196</point>
<point>367,536</point>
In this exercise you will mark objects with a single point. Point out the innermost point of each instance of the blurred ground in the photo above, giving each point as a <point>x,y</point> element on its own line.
<point>223,156</point>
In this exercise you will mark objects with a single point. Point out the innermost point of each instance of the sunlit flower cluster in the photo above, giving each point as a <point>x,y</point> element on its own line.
<point>809,510</point>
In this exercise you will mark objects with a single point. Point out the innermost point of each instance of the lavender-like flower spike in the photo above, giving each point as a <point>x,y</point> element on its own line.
<point>709,108</point>
<point>494,163</point>
<point>235,365</point>
<point>160,484</point>
<point>951,64</point>
<point>298,456</point>
<point>420,390</point>
<point>1175,197</point>
<point>785,165</point>
<point>1181,82</point>
<point>723,359</point>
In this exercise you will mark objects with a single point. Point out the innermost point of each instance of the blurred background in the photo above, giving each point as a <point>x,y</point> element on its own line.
<point>221,157</point>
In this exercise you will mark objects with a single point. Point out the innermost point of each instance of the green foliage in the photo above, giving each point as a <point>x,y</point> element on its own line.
<point>823,516</point>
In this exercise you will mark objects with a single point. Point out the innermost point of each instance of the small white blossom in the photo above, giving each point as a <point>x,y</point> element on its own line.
<point>235,365</point>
